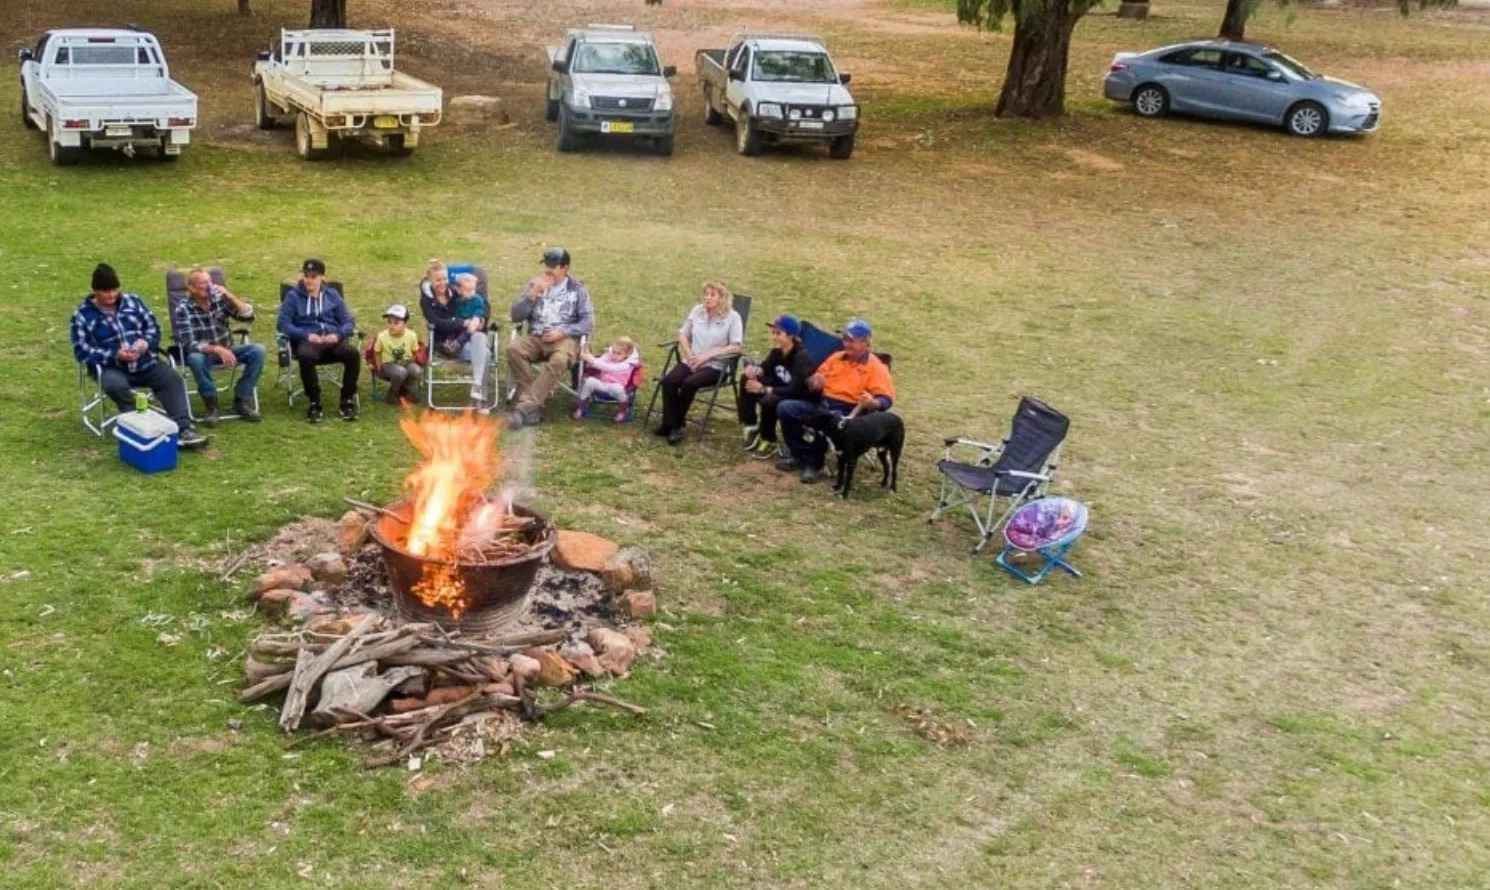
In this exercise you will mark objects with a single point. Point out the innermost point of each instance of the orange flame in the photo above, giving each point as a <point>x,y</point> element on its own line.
<point>460,463</point>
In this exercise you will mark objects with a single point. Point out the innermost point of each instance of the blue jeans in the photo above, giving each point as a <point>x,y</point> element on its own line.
<point>250,365</point>
<point>794,415</point>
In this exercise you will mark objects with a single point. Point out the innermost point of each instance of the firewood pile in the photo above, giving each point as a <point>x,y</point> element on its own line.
<point>406,688</point>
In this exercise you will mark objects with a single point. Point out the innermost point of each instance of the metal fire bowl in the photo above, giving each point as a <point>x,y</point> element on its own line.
<point>498,590</point>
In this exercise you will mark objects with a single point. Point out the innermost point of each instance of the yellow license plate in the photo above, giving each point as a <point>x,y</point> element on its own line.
<point>385,122</point>
<point>617,127</point>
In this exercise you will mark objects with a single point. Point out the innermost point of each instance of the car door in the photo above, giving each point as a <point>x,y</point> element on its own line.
<point>559,83</point>
<point>1191,76</point>
<point>31,74</point>
<point>1253,89</point>
<point>734,91</point>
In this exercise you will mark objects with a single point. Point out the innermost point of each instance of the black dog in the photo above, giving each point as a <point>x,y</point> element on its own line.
<point>851,438</point>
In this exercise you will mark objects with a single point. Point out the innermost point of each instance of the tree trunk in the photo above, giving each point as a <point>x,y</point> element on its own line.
<point>1234,23</point>
<point>328,13</point>
<point>1035,83</point>
<point>243,8</point>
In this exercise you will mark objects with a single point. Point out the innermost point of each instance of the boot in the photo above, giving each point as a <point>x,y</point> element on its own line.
<point>212,411</point>
<point>244,412</point>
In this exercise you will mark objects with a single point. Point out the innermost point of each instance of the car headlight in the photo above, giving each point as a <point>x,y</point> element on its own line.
<point>664,102</point>
<point>580,98</point>
<point>795,114</point>
<point>829,116</point>
<point>847,112</point>
<point>768,109</point>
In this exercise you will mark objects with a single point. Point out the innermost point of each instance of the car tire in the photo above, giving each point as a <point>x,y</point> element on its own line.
<point>26,120</point>
<point>304,145</point>
<point>747,137</point>
<point>565,141</point>
<point>1307,120</point>
<point>263,118</point>
<point>841,148</point>
<point>64,155</point>
<point>712,117</point>
<point>1150,100</point>
<point>551,111</point>
<point>665,146</point>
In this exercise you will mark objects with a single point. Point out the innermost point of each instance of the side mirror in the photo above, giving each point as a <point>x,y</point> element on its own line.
<point>670,71</point>
<point>737,75</point>
<point>844,78</point>
<point>561,66</point>
<point>26,55</point>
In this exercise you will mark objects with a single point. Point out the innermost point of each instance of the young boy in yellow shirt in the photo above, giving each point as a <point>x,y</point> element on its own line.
<point>395,356</point>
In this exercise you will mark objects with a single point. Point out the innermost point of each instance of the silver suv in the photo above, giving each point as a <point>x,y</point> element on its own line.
<point>608,80</point>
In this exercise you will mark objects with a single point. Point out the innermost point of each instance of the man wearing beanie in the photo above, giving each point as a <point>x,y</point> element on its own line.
<point>115,337</point>
<point>319,325</point>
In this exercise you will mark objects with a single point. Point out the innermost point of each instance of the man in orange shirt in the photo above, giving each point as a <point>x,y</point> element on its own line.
<point>850,382</point>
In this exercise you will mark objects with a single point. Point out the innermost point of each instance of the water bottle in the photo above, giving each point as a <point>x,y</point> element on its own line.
<point>142,402</point>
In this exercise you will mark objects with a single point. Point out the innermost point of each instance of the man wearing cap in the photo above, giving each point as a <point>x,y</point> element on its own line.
<point>115,336</point>
<point>781,376</point>
<point>850,382</point>
<point>205,341</point>
<point>557,311</point>
<point>318,324</point>
<point>395,355</point>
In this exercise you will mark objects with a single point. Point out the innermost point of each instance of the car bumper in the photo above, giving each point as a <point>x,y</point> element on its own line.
<point>1354,120</point>
<point>650,123</point>
<point>793,130</point>
<point>1118,88</point>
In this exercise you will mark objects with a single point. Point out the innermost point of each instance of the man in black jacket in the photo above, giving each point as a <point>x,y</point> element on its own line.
<point>783,375</point>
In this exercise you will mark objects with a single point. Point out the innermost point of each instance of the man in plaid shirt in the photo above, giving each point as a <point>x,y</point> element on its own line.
<point>115,337</point>
<point>205,341</point>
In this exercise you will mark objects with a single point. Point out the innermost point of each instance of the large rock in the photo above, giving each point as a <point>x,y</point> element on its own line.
<point>287,577</point>
<point>476,110</point>
<point>351,532</point>
<point>617,652</point>
<point>553,669</point>
<point>275,603</point>
<point>630,569</point>
<point>583,657</point>
<point>306,606</point>
<point>640,603</point>
<point>328,568</point>
<point>639,636</point>
<point>523,667</point>
<point>582,552</point>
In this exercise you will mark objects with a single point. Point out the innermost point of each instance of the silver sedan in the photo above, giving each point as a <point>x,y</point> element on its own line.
<point>1244,81</point>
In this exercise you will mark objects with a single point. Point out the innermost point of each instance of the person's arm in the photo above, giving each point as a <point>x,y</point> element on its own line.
<point>685,338</point>
<point>881,386</point>
<point>239,309</point>
<point>82,347</point>
<point>346,325</point>
<point>440,318</point>
<point>522,308</point>
<point>150,327</point>
<point>375,356</point>
<point>286,323</point>
<point>584,315</point>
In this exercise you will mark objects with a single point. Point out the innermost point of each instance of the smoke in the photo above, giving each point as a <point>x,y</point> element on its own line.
<point>517,471</point>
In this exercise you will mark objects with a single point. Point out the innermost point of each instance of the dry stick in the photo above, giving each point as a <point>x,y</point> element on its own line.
<point>420,738</point>
<point>376,509</point>
<point>504,645</point>
<point>376,652</point>
<point>308,672</point>
<point>597,698</point>
<point>236,564</point>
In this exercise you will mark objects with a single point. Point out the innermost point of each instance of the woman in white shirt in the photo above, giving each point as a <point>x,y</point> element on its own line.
<point>710,335</point>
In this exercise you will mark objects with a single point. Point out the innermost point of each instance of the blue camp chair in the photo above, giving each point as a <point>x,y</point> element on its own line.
<point>445,373</point>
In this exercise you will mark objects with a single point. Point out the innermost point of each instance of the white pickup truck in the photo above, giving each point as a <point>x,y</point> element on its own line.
<point>102,88</point>
<point>341,84</point>
<point>607,79</point>
<point>778,88</point>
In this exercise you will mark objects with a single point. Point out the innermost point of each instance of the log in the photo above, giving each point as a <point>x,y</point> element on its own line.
<point>380,652</point>
<point>310,669</point>
<point>504,645</point>
<point>357,689</point>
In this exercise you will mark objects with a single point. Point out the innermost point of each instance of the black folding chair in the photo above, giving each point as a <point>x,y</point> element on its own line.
<point>1017,469</point>
<point>729,380</point>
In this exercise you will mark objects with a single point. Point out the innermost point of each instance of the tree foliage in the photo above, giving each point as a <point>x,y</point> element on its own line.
<point>1238,12</point>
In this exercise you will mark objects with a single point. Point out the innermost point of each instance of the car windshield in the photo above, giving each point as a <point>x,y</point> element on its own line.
<point>1292,66</point>
<point>615,58</point>
<point>796,67</point>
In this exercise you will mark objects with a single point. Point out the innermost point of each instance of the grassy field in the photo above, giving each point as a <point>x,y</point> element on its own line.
<point>1274,354</point>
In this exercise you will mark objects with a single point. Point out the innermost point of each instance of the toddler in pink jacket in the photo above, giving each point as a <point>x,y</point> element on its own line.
<point>613,371</point>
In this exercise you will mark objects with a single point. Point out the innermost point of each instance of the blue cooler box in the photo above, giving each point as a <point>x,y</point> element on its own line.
<point>147,441</point>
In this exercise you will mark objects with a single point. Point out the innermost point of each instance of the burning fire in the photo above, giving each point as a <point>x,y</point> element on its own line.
<point>451,511</point>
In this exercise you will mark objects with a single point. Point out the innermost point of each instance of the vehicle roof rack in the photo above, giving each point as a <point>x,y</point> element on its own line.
<point>602,26</point>
<point>774,35</point>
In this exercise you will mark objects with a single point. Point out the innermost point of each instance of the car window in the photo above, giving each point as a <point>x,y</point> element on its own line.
<point>742,61</point>
<point>615,58</point>
<point>1248,66</point>
<point>1292,65</point>
<point>1194,58</point>
<point>794,67</point>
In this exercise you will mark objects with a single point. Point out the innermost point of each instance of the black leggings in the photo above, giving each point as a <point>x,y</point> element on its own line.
<point>678,389</point>
<point>759,409</point>
<point>310,355</point>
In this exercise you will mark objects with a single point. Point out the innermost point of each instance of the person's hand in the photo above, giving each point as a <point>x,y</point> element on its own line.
<point>751,372</point>
<point>753,386</point>
<point>141,347</point>
<point>330,339</point>
<point>552,336</point>
<point>815,383</point>
<point>538,288</point>
<point>693,362</point>
<point>226,356</point>
<point>126,354</point>
<point>868,403</point>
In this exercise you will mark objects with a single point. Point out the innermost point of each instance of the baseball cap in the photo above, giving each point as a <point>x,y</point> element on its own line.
<point>398,311</point>
<point>313,267</point>
<point>858,329</point>
<point>786,324</point>
<point>555,256</point>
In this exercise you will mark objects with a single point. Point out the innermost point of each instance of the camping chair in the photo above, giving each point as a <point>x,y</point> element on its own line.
<point>820,345</point>
<point>181,342</point>
<point>444,373</point>
<point>289,371</point>
<point>728,381</point>
<point>1018,469</point>
<point>1049,527</point>
<point>571,386</point>
<point>633,384</point>
<point>98,410</point>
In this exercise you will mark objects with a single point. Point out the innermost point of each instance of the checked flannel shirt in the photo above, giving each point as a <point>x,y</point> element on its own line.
<point>97,335</point>
<point>198,328</point>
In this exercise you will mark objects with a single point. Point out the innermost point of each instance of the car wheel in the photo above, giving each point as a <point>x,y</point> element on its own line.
<point>1150,100</point>
<point>566,141</point>
<point>304,144</point>
<point>1308,119</point>
<point>747,137</point>
<point>841,148</point>
<point>665,146</point>
<point>551,112</point>
<point>26,120</point>
<point>64,155</point>
<point>712,117</point>
<point>263,117</point>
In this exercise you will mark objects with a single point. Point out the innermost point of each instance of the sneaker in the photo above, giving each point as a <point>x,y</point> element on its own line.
<point>478,395</point>
<point>752,438</point>
<point>623,413</point>
<point>764,449</point>
<point>314,414</point>
<point>190,439</point>
<point>675,437</point>
<point>579,411</point>
<point>661,431</point>
<point>787,464</point>
<point>244,412</point>
<point>348,410</point>
<point>811,475</point>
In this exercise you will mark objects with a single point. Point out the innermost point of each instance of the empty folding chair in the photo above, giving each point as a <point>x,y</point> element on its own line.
<point>1017,469</point>
<point>448,379</point>
<point>181,343</point>
<point>728,380</point>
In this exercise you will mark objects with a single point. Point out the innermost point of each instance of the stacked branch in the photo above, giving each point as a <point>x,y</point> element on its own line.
<point>409,687</point>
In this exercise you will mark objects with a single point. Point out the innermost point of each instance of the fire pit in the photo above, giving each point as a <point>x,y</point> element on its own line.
<point>475,597</point>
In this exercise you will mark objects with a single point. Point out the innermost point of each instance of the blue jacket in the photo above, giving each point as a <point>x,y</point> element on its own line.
<point>301,315</point>
<point>97,335</point>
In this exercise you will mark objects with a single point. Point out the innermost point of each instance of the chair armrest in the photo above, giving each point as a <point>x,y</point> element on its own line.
<point>950,441</point>
<point>241,334</point>
<point>1020,474</point>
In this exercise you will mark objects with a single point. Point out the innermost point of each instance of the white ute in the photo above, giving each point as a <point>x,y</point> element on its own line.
<point>342,84</point>
<point>104,88</point>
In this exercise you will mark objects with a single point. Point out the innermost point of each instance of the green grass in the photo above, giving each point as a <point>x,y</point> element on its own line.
<point>1272,352</point>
